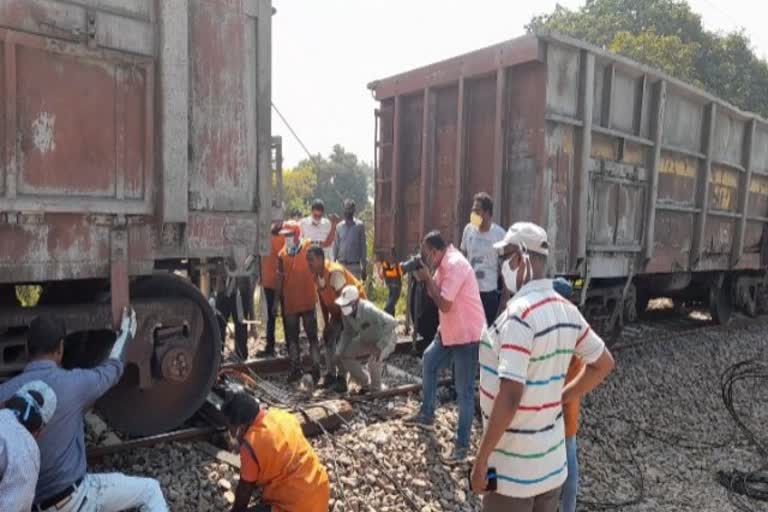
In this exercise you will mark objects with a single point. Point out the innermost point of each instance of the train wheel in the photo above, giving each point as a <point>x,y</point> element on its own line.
<point>720,304</point>
<point>184,359</point>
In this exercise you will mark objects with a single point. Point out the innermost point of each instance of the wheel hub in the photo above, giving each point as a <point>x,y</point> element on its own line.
<point>177,364</point>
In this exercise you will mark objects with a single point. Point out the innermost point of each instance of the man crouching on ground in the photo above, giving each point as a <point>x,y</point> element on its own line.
<point>274,455</point>
<point>368,331</point>
<point>524,357</point>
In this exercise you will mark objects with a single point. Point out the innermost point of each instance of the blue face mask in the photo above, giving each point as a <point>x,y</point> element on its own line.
<point>291,247</point>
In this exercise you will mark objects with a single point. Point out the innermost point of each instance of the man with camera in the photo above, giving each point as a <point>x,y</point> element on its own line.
<point>462,319</point>
<point>524,358</point>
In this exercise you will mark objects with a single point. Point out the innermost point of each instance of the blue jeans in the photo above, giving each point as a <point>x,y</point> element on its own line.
<point>464,358</point>
<point>571,485</point>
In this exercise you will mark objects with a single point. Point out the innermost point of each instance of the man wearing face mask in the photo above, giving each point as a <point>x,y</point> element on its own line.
<point>350,247</point>
<point>462,319</point>
<point>368,331</point>
<point>331,278</point>
<point>296,294</point>
<point>22,418</point>
<point>269,283</point>
<point>319,229</point>
<point>477,245</point>
<point>524,358</point>
<point>274,455</point>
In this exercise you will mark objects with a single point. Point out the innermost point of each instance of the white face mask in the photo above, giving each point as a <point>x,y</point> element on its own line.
<point>510,276</point>
<point>347,310</point>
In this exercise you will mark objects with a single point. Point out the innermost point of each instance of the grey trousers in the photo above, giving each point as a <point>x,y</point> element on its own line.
<point>348,355</point>
<point>546,502</point>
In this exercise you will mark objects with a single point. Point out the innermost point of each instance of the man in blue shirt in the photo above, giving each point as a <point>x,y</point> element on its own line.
<point>63,484</point>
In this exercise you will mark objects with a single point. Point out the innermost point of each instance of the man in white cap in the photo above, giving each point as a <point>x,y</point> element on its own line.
<point>22,418</point>
<point>367,331</point>
<point>524,357</point>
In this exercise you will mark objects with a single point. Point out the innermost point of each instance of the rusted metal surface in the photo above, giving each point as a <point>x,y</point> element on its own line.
<point>191,78</point>
<point>625,167</point>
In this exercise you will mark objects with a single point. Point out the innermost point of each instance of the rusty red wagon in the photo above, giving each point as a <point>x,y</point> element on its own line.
<point>646,185</point>
<point>134,141</point>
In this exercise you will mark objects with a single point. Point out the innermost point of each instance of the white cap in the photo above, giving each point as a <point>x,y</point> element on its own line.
<point>348,295</point>
<point>48,407</point>
<point>525,234</point>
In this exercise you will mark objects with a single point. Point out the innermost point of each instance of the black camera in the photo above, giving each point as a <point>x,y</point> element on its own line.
<point>412,264</point>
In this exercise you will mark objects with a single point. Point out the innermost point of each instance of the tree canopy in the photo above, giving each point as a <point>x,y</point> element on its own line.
<point>668,35</point>
<point>340,176</point>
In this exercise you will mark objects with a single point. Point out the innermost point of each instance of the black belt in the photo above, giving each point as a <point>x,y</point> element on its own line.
<point>56,498</point>
<point>349,262</point>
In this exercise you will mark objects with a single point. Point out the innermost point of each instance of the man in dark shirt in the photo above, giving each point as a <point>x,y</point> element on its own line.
<point>63,484</point>
<point>350,247</point>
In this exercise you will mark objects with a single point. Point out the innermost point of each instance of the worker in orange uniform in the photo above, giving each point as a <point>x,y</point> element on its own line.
<point>269,283</point>
<point>392,275</point>
<point>330,279</point>
<point>571,417</point>
<point>295,293</point>
<point>275,455</point>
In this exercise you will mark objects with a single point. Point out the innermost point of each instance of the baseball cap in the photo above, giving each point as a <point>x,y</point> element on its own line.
<point>527,234</point>
<point>42,395</point>
<point>348,295</point>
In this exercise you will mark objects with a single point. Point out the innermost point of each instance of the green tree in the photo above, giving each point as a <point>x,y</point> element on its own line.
<point>298,188</point>
<point>668,35</point>
<point>342,175</point>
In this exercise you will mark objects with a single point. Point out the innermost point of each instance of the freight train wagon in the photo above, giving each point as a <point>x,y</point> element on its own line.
<point>134,142</point>
<point>646,185</point>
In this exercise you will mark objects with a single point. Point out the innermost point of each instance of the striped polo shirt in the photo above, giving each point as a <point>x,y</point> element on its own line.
<point>532,342</point>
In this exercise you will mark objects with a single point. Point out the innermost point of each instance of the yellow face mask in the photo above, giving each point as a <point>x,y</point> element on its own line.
<point>475,219</point>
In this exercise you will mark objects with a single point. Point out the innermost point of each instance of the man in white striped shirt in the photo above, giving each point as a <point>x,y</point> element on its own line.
<point>524,357</point>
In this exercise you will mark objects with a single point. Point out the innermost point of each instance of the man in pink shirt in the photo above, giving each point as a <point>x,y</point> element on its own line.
<point>462,319</point>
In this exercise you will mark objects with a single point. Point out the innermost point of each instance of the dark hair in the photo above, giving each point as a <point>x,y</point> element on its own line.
<point>240,409</point>
<point>316,251</point>
<point>435,240</point>
<point>486,203</point>
<point>44,335</point>
<point>28,413</point>
<point>295,213</point>
<point>349,203</point>
<point>318,204</point>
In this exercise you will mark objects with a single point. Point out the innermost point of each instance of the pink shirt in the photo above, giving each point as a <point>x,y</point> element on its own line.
<point>465,321</point>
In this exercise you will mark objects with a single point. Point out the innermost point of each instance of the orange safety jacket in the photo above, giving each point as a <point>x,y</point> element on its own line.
<point>275,455</point>
<point>328,295</point>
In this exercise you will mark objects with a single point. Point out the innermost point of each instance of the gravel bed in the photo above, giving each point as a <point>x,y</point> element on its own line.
<point>652,438</point>
<point>660,417</point>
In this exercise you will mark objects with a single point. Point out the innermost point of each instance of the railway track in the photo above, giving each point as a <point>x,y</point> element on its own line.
<point>266,379</point>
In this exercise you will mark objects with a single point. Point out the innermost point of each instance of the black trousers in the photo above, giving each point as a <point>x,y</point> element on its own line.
<point>269,294</point>
<point>394,286</point>
<point>227,306</point>
<point>490,302</point>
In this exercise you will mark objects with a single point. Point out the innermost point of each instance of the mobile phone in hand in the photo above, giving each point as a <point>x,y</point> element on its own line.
<point>490,478</point>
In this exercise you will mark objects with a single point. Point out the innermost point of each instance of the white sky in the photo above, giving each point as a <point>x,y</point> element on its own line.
<point>325,52</point>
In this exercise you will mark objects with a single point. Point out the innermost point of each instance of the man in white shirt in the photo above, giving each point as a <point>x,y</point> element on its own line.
<point>477,245</point>
<point>22,418</point>
<point>524,358</point>
<point>319,229</point>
